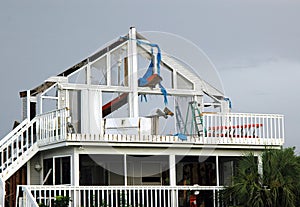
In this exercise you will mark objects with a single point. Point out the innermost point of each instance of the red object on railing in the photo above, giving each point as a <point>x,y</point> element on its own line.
<point>230,131</point>
<point>236,126</point>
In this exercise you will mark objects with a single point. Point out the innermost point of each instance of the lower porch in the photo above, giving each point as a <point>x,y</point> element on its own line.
<point>110,180</point>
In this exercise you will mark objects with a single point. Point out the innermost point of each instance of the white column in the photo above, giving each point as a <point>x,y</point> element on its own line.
<point>172,165</point>
<point>75,168</point>
<point>125,169</point>
<point>100,114</point>
<point>217,170</point>
<point>108,69</point>
<point>40,103</point>
<point>75,175</point>
<point>218,182</point>
<point>133,66</point>
<point>88,74</point>
<point>28,104</point>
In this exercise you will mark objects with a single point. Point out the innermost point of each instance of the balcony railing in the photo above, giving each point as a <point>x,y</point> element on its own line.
<point>52,126</point>
<point>242,128</point>
<point>217,129</point>
<point>114,196</point>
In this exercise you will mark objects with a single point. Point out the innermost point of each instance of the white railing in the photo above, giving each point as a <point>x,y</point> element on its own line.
<point>118,196</point>
<point>129,138</point>
<point>2,192</point>
<point>52,126</point>
<point>27,200</point>
<point>13,132</point>
<point>16,143</point>
<point>231,128</point>
<point>241,128</point>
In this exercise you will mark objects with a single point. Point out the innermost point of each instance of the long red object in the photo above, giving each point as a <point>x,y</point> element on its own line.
<point>114,104</point>
<point>236,126</point>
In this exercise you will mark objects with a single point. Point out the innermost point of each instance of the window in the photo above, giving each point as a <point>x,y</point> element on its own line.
<point>227,168</point>
<point>148,170</point>
<point>100,169</point>
<point>48,171</point>
<point>192,170</point>
<point>57,170</point>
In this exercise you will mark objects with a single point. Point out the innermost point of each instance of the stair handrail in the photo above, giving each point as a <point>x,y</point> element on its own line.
<point>28,123</point>
<point>30,200</point>
<point>52,111</point>
<point>14,131</point>
<point>9,141</point>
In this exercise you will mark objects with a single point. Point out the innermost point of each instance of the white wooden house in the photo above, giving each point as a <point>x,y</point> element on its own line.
<point>111,131</point>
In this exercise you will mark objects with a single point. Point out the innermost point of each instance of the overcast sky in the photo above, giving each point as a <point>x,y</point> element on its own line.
<point>254,44</point>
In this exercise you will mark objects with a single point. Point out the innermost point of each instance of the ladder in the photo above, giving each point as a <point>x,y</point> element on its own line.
<point>197,120</point>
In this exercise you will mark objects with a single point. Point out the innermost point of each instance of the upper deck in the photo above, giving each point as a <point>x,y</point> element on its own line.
<point>235,130</point>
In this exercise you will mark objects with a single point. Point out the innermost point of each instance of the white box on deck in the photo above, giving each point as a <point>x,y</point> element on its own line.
<point>130,126</point>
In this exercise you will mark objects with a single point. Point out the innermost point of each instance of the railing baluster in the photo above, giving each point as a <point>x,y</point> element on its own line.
<point>27,138</point>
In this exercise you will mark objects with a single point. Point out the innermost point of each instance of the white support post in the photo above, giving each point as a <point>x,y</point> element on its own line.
<point>28,104</point>
<point>133,66</point>
<point>174,79</point>
<point>125,169</point>
<point>88,74</point>
<point>41,104</point>
<point>59,98</point>
<point>68,99</point>
<point>53,171</point>
<point>75,176</point>
<point>218,182</point>
<point>75,168</point>
<point>100,113</point>
<point>108,69</point>
<point>217,171</point>
<point>172,167</point>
